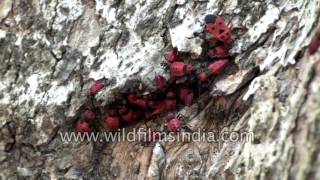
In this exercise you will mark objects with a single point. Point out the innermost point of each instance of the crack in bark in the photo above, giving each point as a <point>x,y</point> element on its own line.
<point>116,44</point>
<point>81,70</point>
<point>54,16</point>
<point>43,148</point>
<point>9,147</point>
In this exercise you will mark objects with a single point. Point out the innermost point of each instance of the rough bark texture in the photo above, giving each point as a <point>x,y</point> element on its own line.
<point>50,48</point>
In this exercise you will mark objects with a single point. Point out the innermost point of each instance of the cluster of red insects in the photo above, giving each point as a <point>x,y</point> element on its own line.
<point>178,91</point>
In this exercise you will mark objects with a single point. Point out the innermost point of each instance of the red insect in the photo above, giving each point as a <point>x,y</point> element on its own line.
<point>218,28</point>
<point>112,112</point>
<point>203,77</point>
<point>218,66</point>
<point>170,102</point>
<point>123,110</point>
<point>172,56</point>
<point>161,82</point>
<point>314,45</point>
<point>174,125</point>
<point>179,69</point>
<point>83,127</point>
<point>152,104</point>
<point>89,115</point>
<point>219,52</point>
<point>132,116</point>
<point>112,122</point>
<point>160,109</point>
<point>186,96</point>
<point>98,86</point>
<point>133,99</point>
<point>188,100</point>
<point>165,105</point>
<point>171,95</point>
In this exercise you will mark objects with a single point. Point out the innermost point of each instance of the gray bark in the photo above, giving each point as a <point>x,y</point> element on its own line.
<point>51,48</point>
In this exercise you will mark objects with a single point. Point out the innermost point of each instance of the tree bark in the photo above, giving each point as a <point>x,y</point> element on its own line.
<point>50,49</point>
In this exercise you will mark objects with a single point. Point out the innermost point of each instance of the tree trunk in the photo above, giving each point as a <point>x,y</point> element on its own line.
<point>50,49</point>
